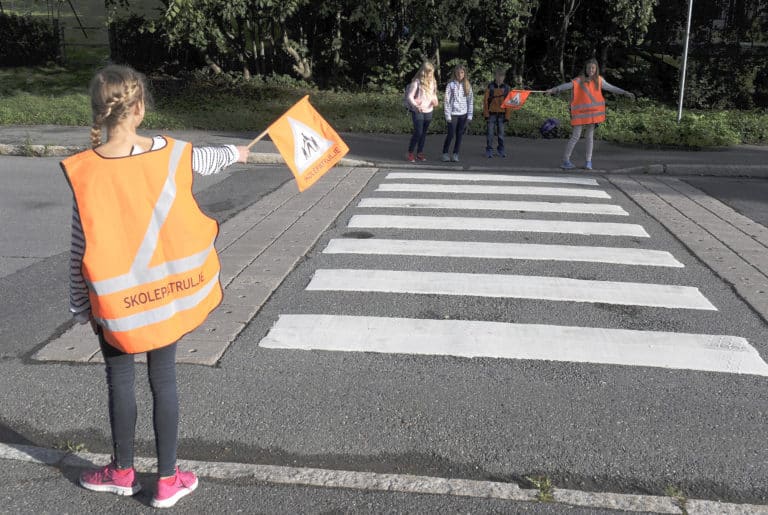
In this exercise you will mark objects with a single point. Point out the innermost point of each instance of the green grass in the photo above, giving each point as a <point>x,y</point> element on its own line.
<point>57,95</point>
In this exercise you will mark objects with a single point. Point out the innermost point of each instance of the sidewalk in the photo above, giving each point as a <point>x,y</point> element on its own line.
<point>389,150</point>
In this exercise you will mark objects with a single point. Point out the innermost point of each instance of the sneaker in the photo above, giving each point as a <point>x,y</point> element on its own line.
<point>489,154</point>
<point>421,157</point>
<point>501,153</point>
<point>411,158</point>
<point>455,158</point>
<point>588,165</point>
<point>567,165</point>
<point>110,479</point>
<point>446,158</point>
<point>171,489</point>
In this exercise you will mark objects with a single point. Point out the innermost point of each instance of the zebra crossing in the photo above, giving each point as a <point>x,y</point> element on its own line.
<point>505,340</point>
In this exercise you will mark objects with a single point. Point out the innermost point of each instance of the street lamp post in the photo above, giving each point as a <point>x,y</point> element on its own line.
<point>685,63</point>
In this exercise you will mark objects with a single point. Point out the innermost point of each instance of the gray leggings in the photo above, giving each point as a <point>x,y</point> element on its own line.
<point>575,135</point>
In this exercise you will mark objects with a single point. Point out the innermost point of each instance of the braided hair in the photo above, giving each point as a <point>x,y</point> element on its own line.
<point>115,91</point>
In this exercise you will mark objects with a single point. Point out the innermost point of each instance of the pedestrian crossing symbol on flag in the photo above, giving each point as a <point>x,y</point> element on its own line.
<point>307,142</point>
<point>515,99</point>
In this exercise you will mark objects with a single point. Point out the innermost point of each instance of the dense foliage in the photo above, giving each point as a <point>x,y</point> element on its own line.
<point>25,40</point>
<point>355,44</point>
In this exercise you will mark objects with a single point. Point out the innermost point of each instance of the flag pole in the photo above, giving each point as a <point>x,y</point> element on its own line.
<point>258,138</point>
<point>685,63</point>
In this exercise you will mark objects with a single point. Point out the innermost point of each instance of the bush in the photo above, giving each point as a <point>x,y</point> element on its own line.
<point>135,42</point>
<point>26,41</point>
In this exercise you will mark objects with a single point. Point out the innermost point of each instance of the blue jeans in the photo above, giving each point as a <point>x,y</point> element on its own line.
<point>161,365</point>
<point>421,123</point>
<point>496,123</point>
<point>456,127</point>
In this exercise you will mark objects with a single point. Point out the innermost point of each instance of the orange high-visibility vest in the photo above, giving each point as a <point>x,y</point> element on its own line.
<point>150,264</point>
<point>587,102</point>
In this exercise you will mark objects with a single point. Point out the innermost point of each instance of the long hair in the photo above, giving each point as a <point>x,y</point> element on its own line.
<point>426,77</point>
<point>584,77</point>
<point>466,86</point>
<point>115,90</point>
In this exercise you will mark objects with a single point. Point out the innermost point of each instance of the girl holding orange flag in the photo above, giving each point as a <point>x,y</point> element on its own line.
<point>587,108</point>
<point>143,269</point>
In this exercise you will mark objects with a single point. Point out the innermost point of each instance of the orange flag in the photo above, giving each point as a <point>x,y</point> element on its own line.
<point>308,144</point>
<point>515,99</point>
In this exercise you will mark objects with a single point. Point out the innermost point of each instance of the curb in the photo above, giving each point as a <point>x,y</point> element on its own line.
<point>266,158</point>
<point>263,158</point>
<point>755,171</point>
<point>404,483</point>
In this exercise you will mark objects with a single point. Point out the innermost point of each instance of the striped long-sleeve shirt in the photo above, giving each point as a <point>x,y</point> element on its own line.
<point>205,161</point>
<point>456,102</point>
<point>604,84</point>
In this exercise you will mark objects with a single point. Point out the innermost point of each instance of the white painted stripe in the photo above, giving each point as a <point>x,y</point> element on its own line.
<point>470,339</point>
<point>493,250</point>
<point>494,205</point>
<point>510,286</point>
<point>489,177</point>
<point>476,189</point>
<point>374,481</point>
<point>450,223</point>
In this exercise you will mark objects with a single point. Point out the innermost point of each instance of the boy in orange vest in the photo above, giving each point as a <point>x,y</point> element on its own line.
<point>495,115</point>
<point>587,108</point>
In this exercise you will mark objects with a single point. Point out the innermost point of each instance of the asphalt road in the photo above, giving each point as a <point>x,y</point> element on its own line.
<point>587,426</point>
<point>747,196</point>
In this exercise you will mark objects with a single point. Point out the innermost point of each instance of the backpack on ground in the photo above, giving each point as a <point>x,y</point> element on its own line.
<point>550,128</point>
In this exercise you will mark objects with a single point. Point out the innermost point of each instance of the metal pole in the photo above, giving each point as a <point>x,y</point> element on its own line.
<point>685,63</point>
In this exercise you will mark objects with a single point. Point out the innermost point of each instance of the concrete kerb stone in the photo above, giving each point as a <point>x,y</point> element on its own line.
<point>371,481</point>
<point>30,150</point>
<point>756,171</point>
<point>271,158</point>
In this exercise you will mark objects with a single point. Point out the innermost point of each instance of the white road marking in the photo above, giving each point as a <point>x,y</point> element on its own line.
<point>470,339</point>
<point>494,190</point>
<point>378,482</point>
<point>488,177</point>
<point>494,205</point>
<point>493,250</point>
<point>510,286</point>
<point>450,223</point>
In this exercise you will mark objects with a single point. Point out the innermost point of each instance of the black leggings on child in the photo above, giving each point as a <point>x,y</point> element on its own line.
<point>161,365</point>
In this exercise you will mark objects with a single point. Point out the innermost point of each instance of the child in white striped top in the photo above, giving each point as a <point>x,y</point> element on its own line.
<point>459,110</point>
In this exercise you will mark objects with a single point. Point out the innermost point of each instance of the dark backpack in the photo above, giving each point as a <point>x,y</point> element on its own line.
<point>550,128</point>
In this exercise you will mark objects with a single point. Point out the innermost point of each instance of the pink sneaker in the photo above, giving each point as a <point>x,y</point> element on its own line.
<point>171,489</point>
<point>110,479</point>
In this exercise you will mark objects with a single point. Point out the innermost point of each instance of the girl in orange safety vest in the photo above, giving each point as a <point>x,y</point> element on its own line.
<point>143,268</point>
<point>587,108</point>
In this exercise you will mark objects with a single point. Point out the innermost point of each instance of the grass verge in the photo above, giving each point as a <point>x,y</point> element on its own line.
<point>57,95</point>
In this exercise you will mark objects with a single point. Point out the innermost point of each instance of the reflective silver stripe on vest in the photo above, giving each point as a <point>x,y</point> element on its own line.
<point>586,106</point>
<point>140,273</point>
<point>588,115</point>
<point>159,314</point>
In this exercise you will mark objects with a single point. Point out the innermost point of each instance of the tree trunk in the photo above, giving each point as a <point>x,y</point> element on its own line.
<point>569,8</point>
<point>301,65</point>
<point>212,65</point>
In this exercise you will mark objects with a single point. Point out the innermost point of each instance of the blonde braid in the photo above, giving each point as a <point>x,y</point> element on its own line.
<point>114,91</point>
